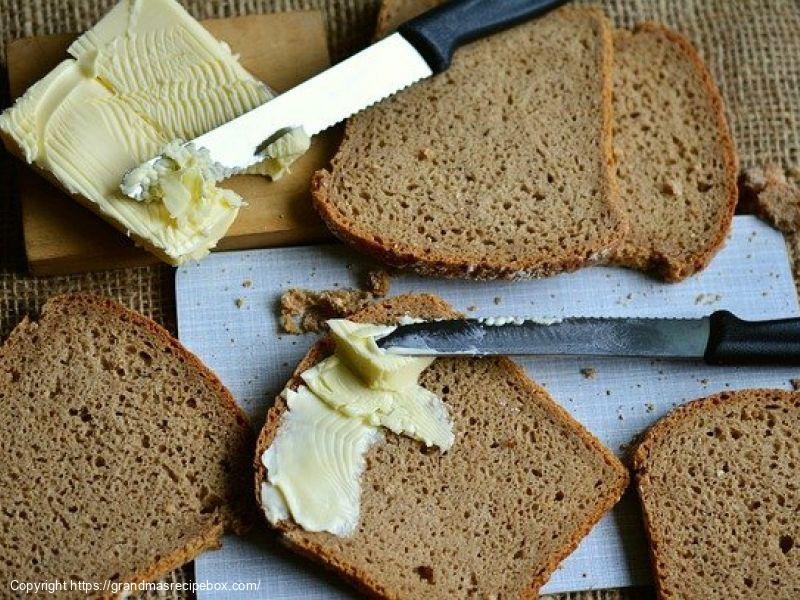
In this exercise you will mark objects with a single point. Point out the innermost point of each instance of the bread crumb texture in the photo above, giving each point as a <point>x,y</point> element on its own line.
<point>499,167</point>
<point>676,164</point>
<point>774,195</point>
<point>305,311</point>
<point>718,480</point>
<point>492,517</point>
<point>122,455</point>
<point>378,282</point>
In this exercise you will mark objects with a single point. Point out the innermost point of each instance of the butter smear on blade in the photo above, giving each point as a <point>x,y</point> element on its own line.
<point>184,182</point>
<point>147,74</point>
<point>346,397</point>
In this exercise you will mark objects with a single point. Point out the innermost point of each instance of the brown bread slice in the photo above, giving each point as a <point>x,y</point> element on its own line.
<point>499,167</point>
<point>676,163</point>
<point>718,480</point>
<point>523,483</point>
<point>121,455</point>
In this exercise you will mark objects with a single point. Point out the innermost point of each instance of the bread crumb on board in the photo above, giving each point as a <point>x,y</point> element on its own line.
<point>795,384</point>
<point>378,282</point>
<point>589,372</point>
<point>305,311</point>
<point>773,194</point>
<point>706,299</point>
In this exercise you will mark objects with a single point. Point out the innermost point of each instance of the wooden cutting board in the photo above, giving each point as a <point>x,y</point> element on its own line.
<point>282,49</point>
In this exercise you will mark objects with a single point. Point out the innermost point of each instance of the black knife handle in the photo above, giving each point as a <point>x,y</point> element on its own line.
<point>437,33</point>
<point>732,340</point>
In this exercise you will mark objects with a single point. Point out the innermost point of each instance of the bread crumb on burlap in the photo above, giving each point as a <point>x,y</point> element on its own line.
<point>773,194</point>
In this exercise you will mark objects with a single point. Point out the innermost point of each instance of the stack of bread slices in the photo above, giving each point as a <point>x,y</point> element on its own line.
<point>558,143</point>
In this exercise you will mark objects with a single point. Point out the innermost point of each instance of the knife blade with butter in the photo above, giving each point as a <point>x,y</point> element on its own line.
<point>721,338</point>
<point>419,49</point>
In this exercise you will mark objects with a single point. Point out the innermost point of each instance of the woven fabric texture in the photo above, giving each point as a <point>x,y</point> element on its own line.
<point>751,46</point>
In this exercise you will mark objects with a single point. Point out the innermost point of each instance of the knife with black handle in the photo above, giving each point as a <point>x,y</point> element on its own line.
<point>732,340</point>
<point>437,33</point>
<point>420,48</point>
<point>720,339</point>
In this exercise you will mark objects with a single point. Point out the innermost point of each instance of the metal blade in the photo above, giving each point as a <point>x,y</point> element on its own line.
<point>674,338</point>
<point>365,78</point>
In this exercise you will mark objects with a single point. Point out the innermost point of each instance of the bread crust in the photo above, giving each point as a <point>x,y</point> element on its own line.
<point>640,456</point>
<point>428,261</point>
<point>392,14</point>
<point>351,572</point>
<point>660,264</point>
<point>243,514</point>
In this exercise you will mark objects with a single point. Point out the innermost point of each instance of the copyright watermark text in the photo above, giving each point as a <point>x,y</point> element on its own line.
<point>54,586</point>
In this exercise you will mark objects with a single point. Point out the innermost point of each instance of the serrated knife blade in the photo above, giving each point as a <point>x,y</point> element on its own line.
<point>666,338</point>
<point>721,338</point>
<point>359,81</point>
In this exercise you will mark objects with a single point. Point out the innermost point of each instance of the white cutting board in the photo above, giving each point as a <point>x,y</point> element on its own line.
<point>227,314</point>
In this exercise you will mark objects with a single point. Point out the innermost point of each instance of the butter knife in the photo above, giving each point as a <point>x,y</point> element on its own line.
<point>420,48</point>
<point>720,338</point>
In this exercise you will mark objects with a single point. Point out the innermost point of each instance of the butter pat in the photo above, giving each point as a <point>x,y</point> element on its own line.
<point>338,386</point>
<point>144,76</point>
<point>356,347</point>
<point>314,466</point>
<point>282,153</point>
<point>410,410</point>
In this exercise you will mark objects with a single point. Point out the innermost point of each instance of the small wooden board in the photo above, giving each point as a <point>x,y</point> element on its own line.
<point>282,49</point>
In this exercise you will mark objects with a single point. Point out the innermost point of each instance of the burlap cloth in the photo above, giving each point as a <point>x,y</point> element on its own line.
<point>751,46</point>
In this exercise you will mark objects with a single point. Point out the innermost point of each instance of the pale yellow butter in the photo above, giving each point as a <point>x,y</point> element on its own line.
<point>409,410</point>
<point>315,462</point>
<point>356,347</point>
<point>314,466</point>
<point>282,153</point>
<point>145,75</point>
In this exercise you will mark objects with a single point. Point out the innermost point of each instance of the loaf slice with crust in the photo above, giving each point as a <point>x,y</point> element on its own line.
<point>676,163</point>
<point>522,484</point>
<point>121,455</point>
<point>498,168</point>
<point>718,480</point>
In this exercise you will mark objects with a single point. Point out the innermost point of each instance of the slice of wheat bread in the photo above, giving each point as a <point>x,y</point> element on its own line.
<point>676,163</point>
<point>523,483</point>
<point>499,167</point>
<point>122,455</point>
<point>718,480</point>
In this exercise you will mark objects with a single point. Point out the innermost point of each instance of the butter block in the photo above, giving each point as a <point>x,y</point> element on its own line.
<point>145,75</point>
<point>165,65</point>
